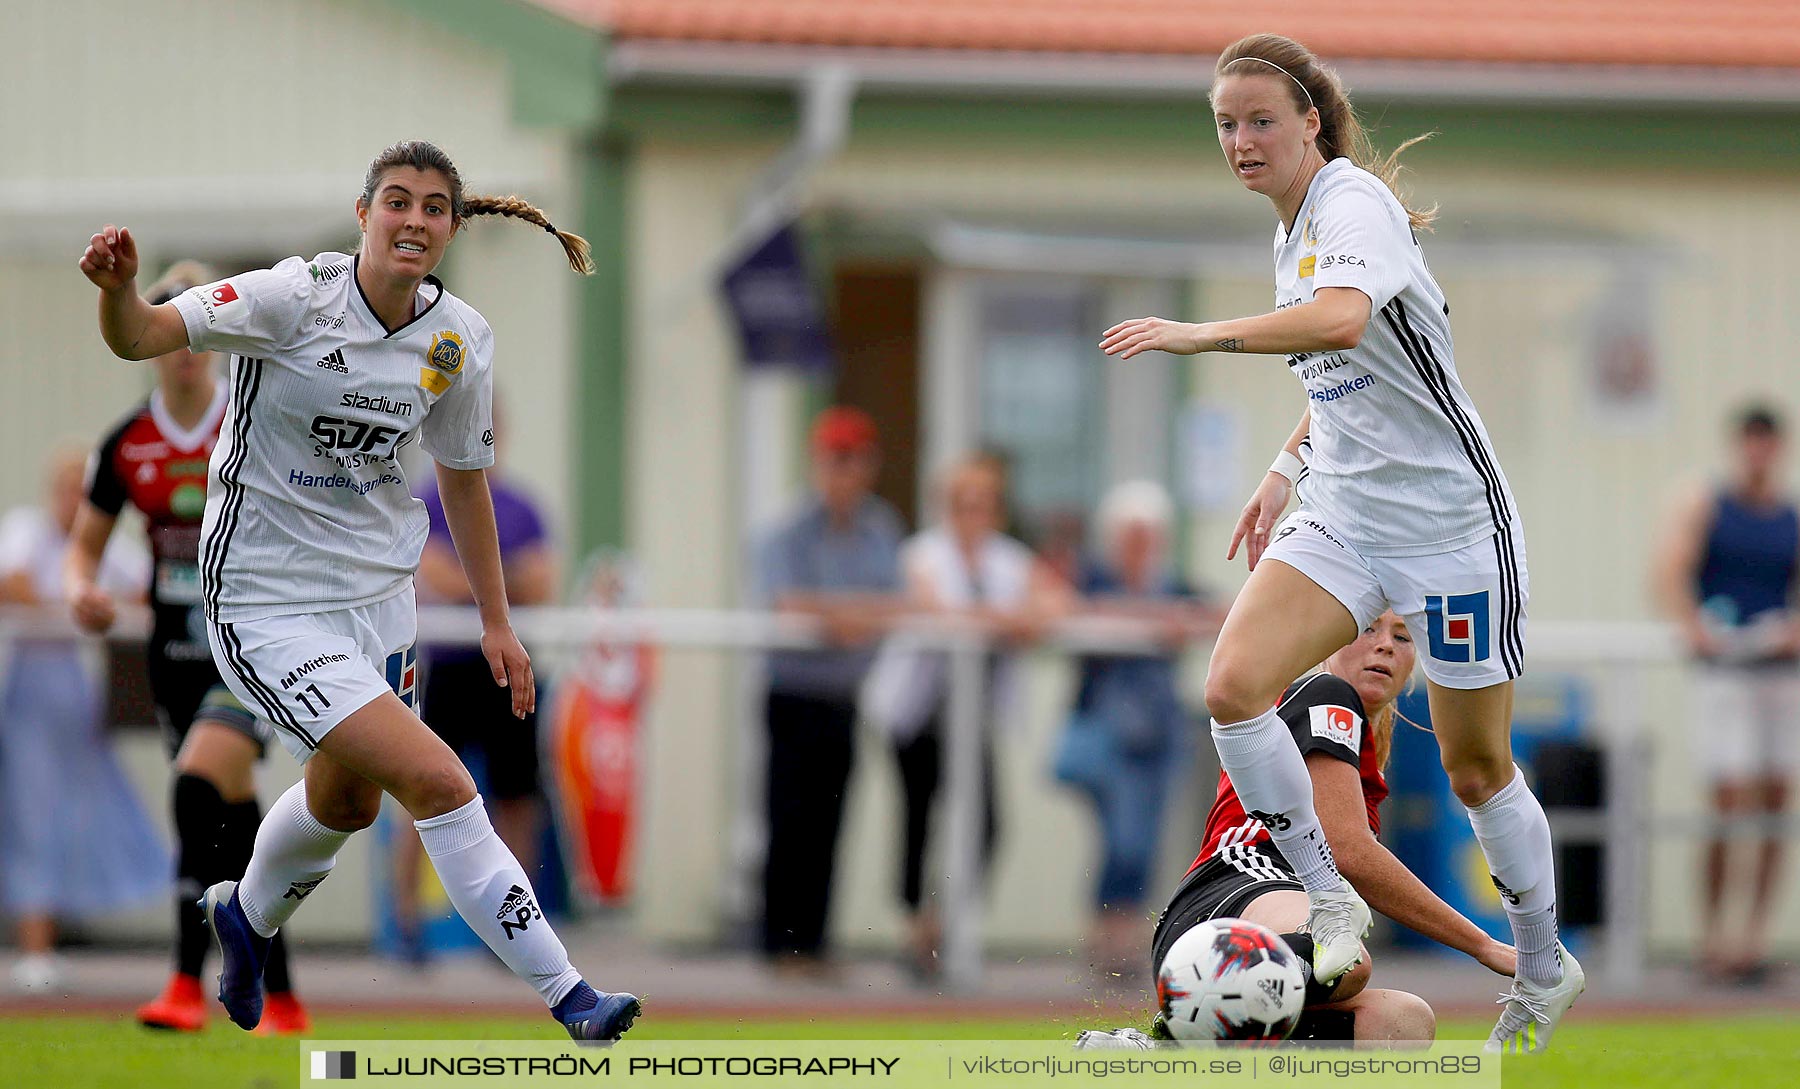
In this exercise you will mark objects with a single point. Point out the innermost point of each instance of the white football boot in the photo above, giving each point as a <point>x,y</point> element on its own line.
<point>1531,1012</point>
<point>1338,922</point>
<point>1121,1039</point>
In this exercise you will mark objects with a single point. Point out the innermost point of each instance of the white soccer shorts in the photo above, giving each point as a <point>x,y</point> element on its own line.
<point>1465,609</point>
<point>308,672</point>
<point>1746,721</point>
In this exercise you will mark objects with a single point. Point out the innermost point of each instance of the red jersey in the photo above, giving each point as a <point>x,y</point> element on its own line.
<point>151,463</point>
<point>1325,714</point>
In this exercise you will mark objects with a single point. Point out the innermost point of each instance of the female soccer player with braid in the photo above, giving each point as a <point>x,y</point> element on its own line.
<point>1402,505</point>
<point>310,540</point>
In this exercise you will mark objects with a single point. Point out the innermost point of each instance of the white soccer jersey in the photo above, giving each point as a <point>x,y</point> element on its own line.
<point>307,507</point>
<point>1400,462</point>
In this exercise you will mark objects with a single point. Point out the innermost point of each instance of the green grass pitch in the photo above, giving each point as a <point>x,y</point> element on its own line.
<point>75,1052</point>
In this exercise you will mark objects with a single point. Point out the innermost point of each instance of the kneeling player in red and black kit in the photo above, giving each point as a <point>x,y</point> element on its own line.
<point>1343,720</point>
<point>156,460</point>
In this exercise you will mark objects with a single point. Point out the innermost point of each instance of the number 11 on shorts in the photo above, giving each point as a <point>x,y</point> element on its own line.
<point>308,703</point>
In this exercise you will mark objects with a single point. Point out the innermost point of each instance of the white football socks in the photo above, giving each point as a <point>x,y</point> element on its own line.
<point>293,854</point>
<point>489,889</point>
<point>1515,836</point>
<point>1270,777</point>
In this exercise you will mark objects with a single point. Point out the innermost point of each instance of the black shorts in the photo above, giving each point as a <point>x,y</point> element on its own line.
<point>473,715</point>
<point>1221,888</point>
<point>188,691</point>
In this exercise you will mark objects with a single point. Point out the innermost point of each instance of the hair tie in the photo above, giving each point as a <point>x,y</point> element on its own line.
<point>549,227</point>
<point>1285,72</point>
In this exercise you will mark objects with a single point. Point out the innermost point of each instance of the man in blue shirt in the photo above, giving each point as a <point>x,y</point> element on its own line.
<point>826,560</point>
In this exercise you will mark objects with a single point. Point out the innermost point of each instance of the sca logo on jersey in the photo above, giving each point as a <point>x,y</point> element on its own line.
<point>353,436</point>
<point>1457,626</point>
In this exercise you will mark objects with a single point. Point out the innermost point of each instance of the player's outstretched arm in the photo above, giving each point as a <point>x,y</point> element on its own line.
<point>1383,880</point>
<point>1332,322</point>
<point>469,511</point>
<point>91,606</point>
<point>131,327</point>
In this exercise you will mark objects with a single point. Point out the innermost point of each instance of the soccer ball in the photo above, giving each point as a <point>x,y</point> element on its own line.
<point>1228,979</point>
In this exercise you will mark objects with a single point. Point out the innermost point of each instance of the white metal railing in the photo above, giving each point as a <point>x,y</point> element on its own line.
<point>1624,653</point>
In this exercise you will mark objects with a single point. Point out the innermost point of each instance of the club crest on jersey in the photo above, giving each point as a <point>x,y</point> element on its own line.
<point>446,352</point>
<point>1457,626</point>
<point>1337,724</point>
<point>1309,237</point>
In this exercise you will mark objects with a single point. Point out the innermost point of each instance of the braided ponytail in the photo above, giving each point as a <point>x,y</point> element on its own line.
<point>575,247</point>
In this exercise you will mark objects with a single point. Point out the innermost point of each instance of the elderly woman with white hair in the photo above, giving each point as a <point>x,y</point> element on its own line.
<point>1128,730</point>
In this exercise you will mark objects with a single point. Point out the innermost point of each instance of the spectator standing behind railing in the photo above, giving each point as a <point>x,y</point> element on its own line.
<point>965,566</point>
<point>467,709</point>
<point>1727,576</point>
<point>825,560</point>
<point>1128,734</point>
<point>73,839</point>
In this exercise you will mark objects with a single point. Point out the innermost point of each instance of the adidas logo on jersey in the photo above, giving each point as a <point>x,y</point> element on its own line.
<point>334,362</point>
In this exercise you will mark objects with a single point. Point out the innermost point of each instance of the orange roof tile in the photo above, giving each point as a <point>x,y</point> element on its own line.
<point>1718,33</point>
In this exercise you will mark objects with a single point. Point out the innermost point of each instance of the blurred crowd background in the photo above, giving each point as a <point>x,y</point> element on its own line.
<point>839,363</point>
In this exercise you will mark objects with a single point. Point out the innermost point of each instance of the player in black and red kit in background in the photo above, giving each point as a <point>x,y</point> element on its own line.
<point>1343,720</point>
<point>156,459</point>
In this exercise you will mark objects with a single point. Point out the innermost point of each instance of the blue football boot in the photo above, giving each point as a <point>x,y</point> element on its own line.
<point>594,1016</point>
<point>242,954</point>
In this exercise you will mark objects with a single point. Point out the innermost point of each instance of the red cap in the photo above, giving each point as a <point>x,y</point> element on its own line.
<point>841,429</point>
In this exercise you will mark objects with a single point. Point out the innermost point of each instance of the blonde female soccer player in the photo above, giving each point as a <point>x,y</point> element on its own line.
<point>1402,505</point>
<point>309,544</point>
